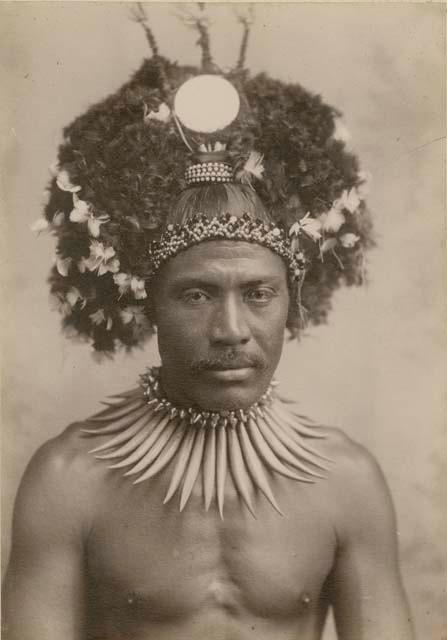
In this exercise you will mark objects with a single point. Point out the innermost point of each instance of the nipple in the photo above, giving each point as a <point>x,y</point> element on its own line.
<point>305,600</point>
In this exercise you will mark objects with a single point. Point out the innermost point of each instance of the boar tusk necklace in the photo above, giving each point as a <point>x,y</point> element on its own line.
<point>148,432</point>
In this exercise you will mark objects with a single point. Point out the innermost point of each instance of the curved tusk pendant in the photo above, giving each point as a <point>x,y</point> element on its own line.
<point>209,467</point>
<point>240,476</point>
<point>221,467</point>
<point>269,458</point>
<point>165,457</point>
<point>129,447</point>
<point>117,426</point>
<point>281,451</point>
<point>150,448</point>
<point>192,470</point>
<point>182,461</point>
<point>309,430</point>
<point>289,440</point>
<point>114,412</point>
<point>255,468</point>
<point>125,434</point>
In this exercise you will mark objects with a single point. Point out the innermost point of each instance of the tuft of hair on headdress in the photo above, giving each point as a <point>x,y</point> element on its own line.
<point>138,161</point>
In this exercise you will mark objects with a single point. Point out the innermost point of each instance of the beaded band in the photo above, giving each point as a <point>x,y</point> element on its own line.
<point>209,172</point>
<point>177,238</point>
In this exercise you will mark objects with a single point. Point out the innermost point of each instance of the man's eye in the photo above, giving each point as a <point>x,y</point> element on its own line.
<point>260,295</point>
<point>194,296</point>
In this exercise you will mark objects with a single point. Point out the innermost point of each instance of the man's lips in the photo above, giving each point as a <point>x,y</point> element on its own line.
<point>230,374</point>
<point>230,366</point>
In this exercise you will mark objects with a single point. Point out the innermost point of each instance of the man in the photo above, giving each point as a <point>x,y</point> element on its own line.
<point>200,505</point>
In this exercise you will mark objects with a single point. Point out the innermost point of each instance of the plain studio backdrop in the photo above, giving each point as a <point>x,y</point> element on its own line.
<point>377,368</point>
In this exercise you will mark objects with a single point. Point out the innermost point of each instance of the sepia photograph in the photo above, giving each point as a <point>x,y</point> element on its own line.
<point>223,327</point>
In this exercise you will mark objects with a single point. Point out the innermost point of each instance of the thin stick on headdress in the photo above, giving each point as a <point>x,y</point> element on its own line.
<point>199,21</point>
<point>246,20</point>
<point>138,14</point>
<point>204,41</point>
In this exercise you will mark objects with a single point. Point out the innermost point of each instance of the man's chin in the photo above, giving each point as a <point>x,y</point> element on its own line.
<point>229,390</point>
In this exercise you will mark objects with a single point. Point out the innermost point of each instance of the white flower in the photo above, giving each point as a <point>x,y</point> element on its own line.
<point>58,218</point>
<point>348,200</point>
<point>253,168</point>
<point>328,245</point>
<point>98,317</point>
<point>73,296</point>
<point>133,313</point>
<point>64,183</point>
<point>349,240</point>
<point>101,259</point>
<point>162,115</point>
<point>310,226</point>
<point>333,220</point>
<point>39,225</point>
<point>42,224</point>
<point>83,212</point>
<point>125,281</point>
<point>341,131</point>
<point>63,265</point>
<point>254,164</point>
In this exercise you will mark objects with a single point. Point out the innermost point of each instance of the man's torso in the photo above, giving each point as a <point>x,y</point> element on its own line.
<point>152,571</point>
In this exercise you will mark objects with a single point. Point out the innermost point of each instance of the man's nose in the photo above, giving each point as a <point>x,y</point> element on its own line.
<point>229,324</point>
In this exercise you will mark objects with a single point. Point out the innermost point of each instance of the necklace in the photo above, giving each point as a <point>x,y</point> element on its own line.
<point>148,432</point>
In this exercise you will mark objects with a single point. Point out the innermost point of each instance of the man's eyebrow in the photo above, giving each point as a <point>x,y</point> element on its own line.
<point>203,280</point>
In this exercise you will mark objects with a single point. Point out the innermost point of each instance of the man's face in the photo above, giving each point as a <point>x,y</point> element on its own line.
<point>221,309</point>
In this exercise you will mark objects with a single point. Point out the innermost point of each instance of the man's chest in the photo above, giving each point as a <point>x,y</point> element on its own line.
<point>150,556</point>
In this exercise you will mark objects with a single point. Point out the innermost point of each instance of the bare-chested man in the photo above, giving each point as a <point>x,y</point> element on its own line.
<point>95,556</point>
<point>279,519</point>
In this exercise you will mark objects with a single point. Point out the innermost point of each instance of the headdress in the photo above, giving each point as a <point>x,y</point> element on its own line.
<point>149,172</point>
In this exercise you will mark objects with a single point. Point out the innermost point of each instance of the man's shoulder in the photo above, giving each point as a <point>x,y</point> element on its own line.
<point>356,482</point>
<point>351,462</point>
<point>59,488</point>
<point>348,454</point>
<point>63,458</point>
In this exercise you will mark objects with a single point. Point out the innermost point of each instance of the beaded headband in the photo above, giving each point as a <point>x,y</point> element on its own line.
<point>178,238</point>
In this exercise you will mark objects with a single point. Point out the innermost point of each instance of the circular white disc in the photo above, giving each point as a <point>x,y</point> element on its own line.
<point>206,103</point>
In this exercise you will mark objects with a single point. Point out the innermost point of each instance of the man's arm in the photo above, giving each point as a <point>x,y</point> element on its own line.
<point>366,589</point>
<point>42,598</point>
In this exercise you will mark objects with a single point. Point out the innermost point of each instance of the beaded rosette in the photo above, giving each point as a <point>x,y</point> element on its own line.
<point>209,172</point>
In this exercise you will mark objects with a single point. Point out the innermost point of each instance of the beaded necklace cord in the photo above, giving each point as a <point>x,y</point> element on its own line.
<point>148,432</point>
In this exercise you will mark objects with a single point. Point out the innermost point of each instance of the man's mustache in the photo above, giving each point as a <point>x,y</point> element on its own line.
<point>229,360</point>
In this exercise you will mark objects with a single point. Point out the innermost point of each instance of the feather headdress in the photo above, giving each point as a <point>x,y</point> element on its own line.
<point>121,180</point>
